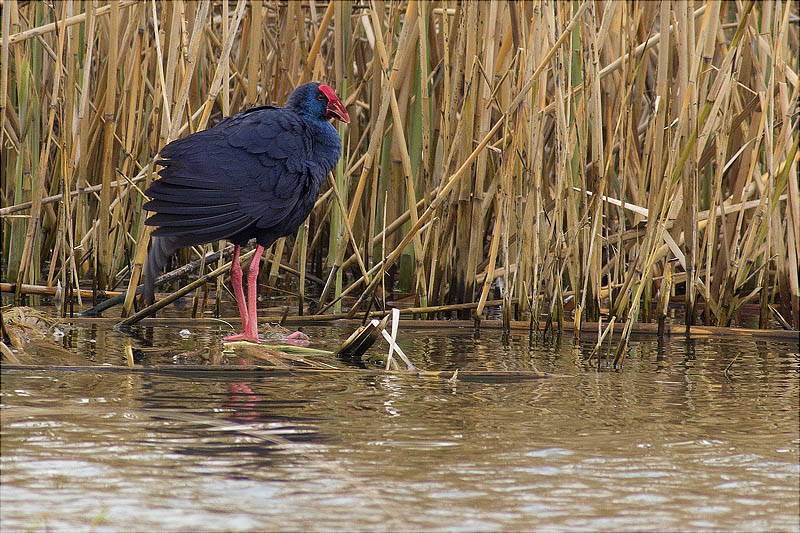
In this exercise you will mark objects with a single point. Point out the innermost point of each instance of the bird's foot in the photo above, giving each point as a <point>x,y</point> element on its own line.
<point>242,337</point>
<point>298,338</point>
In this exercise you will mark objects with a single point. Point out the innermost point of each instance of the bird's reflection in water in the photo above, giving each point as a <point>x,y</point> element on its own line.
<point>242,401</point>
<point>219,418</point>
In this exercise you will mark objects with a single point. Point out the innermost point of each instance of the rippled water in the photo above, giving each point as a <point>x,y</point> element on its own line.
<point>668,443</point>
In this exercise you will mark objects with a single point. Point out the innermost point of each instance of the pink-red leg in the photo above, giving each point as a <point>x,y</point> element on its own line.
<point>248,306</point>
<point>252,295</point>
<point>238,292</point>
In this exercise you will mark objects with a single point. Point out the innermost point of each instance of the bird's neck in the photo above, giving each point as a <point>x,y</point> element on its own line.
<point>327,145</point>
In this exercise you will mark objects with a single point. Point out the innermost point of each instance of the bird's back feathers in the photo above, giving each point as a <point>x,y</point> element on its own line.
<point>254,169</point>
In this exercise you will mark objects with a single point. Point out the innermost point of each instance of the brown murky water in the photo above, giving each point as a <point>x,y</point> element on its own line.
<point>668,443</point>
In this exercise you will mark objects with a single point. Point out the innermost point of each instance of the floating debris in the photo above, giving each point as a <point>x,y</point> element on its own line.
<point>280,356</point>
<point>365,336</point>
<point>30,339</point>
<point>8,354</point>
<point>25,324</point>
<point>361,340</point>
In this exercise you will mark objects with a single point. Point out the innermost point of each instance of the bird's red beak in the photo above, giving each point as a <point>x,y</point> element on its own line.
<point>335,107</point>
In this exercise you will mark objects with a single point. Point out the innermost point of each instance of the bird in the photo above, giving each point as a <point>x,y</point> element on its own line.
<point>254,175</point>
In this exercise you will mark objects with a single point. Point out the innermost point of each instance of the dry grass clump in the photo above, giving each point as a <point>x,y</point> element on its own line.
<point>572,153</point>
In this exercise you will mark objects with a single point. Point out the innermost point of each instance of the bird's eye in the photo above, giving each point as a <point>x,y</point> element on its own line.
<point>320,97</point>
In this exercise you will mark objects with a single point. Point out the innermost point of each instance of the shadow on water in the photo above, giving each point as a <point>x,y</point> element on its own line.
<point>670,442</point>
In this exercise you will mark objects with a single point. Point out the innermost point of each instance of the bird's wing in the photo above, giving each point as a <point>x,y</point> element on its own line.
<point>249,170</point>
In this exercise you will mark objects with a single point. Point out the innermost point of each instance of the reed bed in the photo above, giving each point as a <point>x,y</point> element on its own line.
<point>576,160</point>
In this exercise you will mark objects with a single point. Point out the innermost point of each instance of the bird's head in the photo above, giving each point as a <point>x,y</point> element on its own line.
<point>318,101</point>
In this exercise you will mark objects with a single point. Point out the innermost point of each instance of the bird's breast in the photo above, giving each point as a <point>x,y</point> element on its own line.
<point>327,147</point>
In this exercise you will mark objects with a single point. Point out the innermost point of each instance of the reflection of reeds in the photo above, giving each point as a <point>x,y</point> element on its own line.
<point>479,130</point>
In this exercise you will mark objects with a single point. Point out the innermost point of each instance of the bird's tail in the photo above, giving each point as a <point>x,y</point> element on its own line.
<point>161,248</point>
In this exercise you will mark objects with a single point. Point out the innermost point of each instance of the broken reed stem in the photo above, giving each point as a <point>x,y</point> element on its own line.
<point>160,304</point>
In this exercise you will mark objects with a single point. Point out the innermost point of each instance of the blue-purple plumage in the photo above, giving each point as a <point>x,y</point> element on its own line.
<point>256,174</point>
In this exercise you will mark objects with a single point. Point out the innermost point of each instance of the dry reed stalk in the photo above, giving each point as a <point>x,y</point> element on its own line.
<point>103,254</point>
<point>348,227</point>
<point>40,184</point>
<point>399,138</point>
<point>68,21</point>
<point>6,25</point>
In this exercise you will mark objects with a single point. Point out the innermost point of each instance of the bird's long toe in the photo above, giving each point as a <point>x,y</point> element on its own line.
<point>298,338</point>
<point>241,337</point>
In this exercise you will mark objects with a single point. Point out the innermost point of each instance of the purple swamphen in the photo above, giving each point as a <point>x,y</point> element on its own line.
<point>255,175</point>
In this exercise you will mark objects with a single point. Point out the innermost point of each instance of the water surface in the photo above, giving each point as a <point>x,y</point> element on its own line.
<point>669,443</point>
